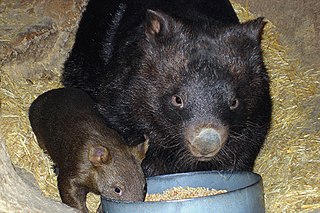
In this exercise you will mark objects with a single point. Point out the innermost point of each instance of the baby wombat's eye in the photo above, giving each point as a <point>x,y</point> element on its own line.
<point>177,101</point>
<point>234,103</point>
<point>118,190</point>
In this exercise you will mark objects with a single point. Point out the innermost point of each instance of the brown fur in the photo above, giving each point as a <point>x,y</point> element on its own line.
<point>89,156</point>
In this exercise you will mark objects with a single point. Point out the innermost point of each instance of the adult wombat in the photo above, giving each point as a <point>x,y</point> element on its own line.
<point>185,73</point>
<point>90,157</point>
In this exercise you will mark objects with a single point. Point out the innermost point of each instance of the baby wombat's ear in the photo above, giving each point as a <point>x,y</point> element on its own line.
<point>157,24</point>
<point>99,155</point>
<point>254,28</point>
<point>139,151</point>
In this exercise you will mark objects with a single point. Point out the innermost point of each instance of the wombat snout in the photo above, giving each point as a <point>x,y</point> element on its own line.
<point>204,143</point>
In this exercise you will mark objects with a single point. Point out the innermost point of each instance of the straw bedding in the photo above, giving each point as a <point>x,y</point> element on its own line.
<point>289,162</point>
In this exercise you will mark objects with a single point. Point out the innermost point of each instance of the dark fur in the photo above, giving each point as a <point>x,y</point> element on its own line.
<point>90,157</point>
<point>133,62</point>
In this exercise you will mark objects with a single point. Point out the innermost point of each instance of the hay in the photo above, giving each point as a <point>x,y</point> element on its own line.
<point>289,162</point>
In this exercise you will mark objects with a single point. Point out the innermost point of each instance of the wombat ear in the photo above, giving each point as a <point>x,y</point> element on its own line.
<point>99,155</point>
<point>254,28</point>
<point>139,151</point>
<point>157,23</point>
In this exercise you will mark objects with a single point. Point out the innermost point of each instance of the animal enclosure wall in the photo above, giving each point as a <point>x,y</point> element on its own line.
<point>35,38</point>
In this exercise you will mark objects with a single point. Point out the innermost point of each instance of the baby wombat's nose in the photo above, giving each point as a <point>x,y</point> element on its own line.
<point>207,140</point>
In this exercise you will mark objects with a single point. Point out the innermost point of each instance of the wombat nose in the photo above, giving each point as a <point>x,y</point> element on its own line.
<point>209,136</point>
<point>207,141</point>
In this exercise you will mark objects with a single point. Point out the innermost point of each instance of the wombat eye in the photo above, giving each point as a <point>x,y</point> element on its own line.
<point>177,101</point>
<point>234,103</point>
<point>118,190</point>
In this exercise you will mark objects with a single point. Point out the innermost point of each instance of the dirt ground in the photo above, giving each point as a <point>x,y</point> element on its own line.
<point>38,33</point>
<point>298,21</point>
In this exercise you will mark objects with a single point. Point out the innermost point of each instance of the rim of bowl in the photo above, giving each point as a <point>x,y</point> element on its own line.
<point>223,172</point>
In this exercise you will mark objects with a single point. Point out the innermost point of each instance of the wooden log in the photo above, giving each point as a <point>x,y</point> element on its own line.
<point>18,196</point>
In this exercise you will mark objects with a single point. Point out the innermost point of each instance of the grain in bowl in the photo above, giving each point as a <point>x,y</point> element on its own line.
<point>179,193</point>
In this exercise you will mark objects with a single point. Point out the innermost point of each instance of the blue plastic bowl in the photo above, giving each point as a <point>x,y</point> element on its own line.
<point>245,194</point>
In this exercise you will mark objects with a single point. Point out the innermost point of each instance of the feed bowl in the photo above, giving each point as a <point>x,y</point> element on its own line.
<point>244,194</point>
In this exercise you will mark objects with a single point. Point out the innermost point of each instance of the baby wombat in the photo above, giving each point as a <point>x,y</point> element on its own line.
<point>90,157</point>
<point>185,73</point>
